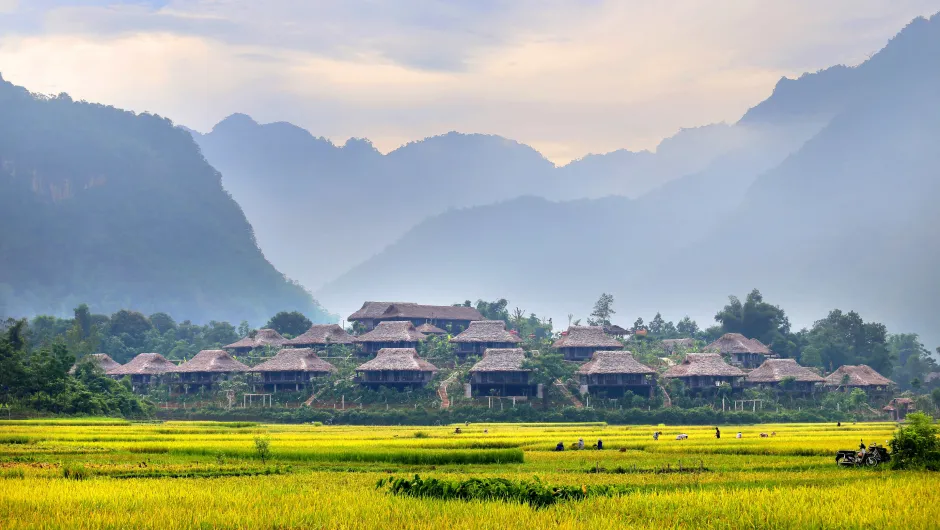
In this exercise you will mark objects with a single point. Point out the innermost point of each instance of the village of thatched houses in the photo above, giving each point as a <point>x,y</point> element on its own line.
<point>784,374</point>
<point>501,372</point>
<point>482,335</point>
<point>395,368</point>
<point>701,371</point>
<point>291,369</point>
<point>206,369</point>
<point>389,335</point>
<point>613,373</point>
<point>579,343</point>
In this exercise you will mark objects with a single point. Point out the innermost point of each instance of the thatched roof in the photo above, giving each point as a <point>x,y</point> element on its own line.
<point>321,335</point>
<point>671,345</point>
<point>586,337</point>
<point>703,364</point>
<point>218,361</point>
<point>144,364</point>
<point>409,310</point>
<point>736,343</point>
<point>614,329</point>
<point>776,370</point>
<point>392,331</point>
<point>501,360</point>
<point>396,359</point>
<point>861,375</point>
<point>614,362</point>
<point>263,337</point>
<point>486,331</point>
<point>430,329</point>
<point>295,360</point>
<point>103,360</point>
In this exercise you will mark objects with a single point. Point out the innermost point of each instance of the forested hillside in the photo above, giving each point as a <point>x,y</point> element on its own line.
<point>114,209</point>
<point>848,219</point>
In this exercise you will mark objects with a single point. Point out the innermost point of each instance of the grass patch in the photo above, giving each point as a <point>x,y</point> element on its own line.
<point>411,457</point>
<point>16,440</point>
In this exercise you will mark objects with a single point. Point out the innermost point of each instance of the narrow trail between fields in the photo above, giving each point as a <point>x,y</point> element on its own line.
<point>667,401</point>
<point>564,390</point>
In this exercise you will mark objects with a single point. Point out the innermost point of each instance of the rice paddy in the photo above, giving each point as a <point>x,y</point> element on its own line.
<point>114,474</point>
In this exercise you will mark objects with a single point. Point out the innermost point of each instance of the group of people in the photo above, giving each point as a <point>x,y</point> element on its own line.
<point>580,445</point>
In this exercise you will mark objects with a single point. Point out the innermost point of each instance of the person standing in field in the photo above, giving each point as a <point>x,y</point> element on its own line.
<point>600,445</point>
<point>580,443</point>
<point>655,435</point>
<point>717,433</point>
<point>560,446</point>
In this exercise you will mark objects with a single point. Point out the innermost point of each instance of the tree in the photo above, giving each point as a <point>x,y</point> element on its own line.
<point>638,325</point>
<point>244,329</point>
<point>844,338</point>
<point>757,319</point>
<point>657,325</point>
<point>913,360</point>
<point>687,327</point>
<point>546,369</point>
<point>603,311</point>
<point>291,323</point>
<point>916,445</point>
<point>497,310</point>
<point>132,326</point>
<point>162,322</point>
<point>263,448</point>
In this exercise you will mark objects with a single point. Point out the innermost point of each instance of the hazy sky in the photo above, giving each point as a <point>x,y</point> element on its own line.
<point>567,77</point>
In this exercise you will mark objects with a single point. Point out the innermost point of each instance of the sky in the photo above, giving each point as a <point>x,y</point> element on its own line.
<point>566,77</point>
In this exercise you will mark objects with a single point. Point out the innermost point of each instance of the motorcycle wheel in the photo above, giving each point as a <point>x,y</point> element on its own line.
<point>872,461</point>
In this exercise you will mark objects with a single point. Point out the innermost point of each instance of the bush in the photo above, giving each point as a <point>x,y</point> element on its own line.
<point>74,472</point>
<point>915,445</point>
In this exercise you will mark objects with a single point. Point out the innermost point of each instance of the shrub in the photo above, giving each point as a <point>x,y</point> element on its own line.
<point>915,445</point>
<point>262,447</point>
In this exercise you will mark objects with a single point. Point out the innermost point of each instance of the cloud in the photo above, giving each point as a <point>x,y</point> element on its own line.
<point>567,77</point>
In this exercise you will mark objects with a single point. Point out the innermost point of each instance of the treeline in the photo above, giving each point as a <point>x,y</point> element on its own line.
<point>126,333</point>
<point>39,380</point>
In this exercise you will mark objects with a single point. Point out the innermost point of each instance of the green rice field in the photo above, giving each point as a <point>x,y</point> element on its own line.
<point>116,474</point>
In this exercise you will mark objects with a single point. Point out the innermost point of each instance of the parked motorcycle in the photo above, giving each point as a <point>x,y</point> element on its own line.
<point>870,456</point>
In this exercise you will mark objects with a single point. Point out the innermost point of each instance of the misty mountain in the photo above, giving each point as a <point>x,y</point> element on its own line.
<point>353,201</point>
<point>847,219</point>
<point>119,210</point>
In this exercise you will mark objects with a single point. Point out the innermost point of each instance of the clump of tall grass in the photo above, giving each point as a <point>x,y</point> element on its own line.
<point>12,473</point>
<point>16,439</point>
<point>401,456</point>
<point>533,493</point>
<point>74,472</point>
<point>149,449</point>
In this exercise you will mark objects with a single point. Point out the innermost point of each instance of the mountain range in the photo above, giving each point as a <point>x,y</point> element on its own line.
<point>120,210</point>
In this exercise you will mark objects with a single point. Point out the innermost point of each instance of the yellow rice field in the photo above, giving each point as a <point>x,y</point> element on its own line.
<point>208,475</point>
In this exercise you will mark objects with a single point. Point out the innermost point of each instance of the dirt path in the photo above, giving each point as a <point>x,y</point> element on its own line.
<point>442,390</point>
<point>564,390</point>
<point>667,401</point>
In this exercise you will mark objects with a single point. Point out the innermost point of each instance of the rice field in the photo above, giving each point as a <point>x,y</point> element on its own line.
<point>115,474</point>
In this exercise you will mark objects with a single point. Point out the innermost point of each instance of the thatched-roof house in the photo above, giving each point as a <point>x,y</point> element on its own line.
<point>454,318</point>
<point>670,346</point>
<point>207,368</point>
<point>615,372</point>
<point>320,336</point>
<point>580,342</point>
<point>395,368</point>
<point>744,352</point>
<point>847,377</point>
<point>501,370</point>
<point>616,331</point>
<point>784,374</point>
<point>482,335</point>
<point>705,371</point>
<point>394,334</point>
<point>144,370</point>
<point>101,360</point>
<point>261,338</point>
<point>430,329</point>
<point>292,369</point>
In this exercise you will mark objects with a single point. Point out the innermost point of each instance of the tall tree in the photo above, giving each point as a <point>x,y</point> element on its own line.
<point>844,338</point>
<point>757,319</point>
<point>497,310</point>
<point>291,323</point>
<point>687,327</point>
<point>657,325</point>
<point>603,311</point>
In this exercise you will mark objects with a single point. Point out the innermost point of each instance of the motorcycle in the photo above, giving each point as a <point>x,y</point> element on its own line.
<point>871,456</point>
